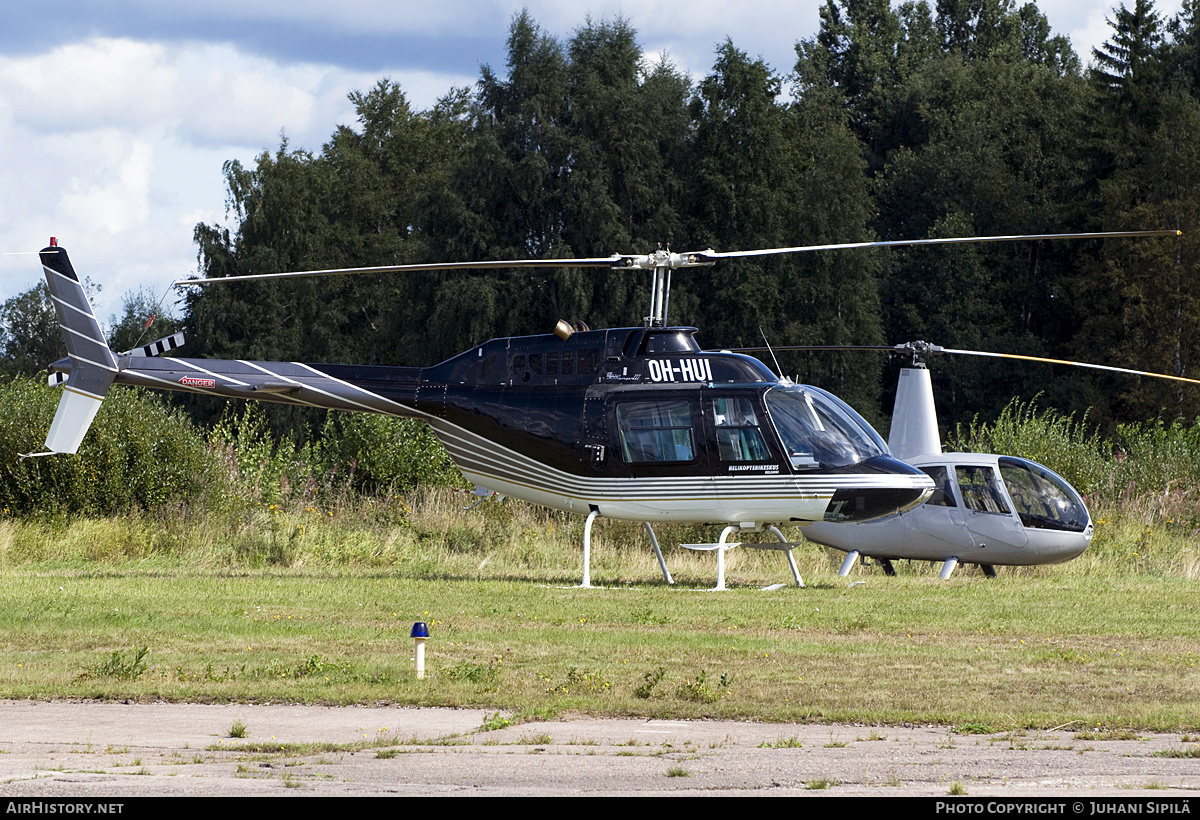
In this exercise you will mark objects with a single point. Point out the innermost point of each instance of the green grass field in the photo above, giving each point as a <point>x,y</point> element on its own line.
<point>264,608</point>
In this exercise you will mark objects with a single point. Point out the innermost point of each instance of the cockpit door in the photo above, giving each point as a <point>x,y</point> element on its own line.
<point>989,514</point>
<point>942,516</point>
<point>747,468</point>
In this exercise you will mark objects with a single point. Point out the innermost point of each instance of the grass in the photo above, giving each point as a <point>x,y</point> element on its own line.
<point>167,605</point>
<point>1194,752</point>
<point>1116,654</point>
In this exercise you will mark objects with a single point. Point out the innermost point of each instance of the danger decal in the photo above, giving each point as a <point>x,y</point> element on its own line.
<point>188,381</point>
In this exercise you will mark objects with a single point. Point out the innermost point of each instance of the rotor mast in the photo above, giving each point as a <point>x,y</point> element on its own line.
<point>662,262</point>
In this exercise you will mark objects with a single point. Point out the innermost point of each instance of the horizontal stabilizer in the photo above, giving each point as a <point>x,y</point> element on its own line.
<point>56,379</point>
<point>159,347</point>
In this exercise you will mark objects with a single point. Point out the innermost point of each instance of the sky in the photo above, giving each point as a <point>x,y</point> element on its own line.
<point>117,116</point>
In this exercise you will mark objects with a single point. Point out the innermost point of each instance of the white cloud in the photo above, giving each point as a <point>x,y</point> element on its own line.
<point>113,193</point>
<point>116,146</point>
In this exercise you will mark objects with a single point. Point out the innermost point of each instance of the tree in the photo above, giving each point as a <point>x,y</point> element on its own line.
<point>1127,78</point>
<point>29,334</point>
<point>143,319</point>
<point>1147,293</point>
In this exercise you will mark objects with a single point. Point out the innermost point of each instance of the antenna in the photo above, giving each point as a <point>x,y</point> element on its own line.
<point>778,369</point>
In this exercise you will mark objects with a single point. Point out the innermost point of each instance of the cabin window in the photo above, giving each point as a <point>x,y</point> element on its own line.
<point>942,495</point>
<point>589,362</point>
<point>981,491</point>
<point>518,364</point>
<point>1043,499</point>
<point>655,431</point>
<point>738,436</point>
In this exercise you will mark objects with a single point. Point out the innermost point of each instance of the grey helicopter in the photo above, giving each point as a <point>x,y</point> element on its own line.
<point>986,509</point>
<point>634,423</point>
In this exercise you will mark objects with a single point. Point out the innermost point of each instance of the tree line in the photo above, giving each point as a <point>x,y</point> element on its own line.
<point>899,121</point>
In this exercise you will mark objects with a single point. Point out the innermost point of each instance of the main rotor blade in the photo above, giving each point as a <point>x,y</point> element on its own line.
<point>955,240</point>
<point>1073,364</point>
<point>667,259</point>
<point>595,262</point>
<point>891,348</point>
<point>924,349</point>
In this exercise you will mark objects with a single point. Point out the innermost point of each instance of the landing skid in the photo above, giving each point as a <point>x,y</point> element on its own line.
<point>720,547</point>
<point>723,545</point>
<point>586,583</point>
<point>886,565</point>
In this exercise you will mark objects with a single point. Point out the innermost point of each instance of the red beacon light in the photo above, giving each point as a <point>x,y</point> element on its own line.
<point>54,241</point>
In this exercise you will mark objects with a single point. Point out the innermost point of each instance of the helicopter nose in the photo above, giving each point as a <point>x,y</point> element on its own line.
<point>891,487</point>
<point>1073,548</point>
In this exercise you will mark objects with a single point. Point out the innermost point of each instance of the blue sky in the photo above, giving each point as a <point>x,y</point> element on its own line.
<point>115,117</point>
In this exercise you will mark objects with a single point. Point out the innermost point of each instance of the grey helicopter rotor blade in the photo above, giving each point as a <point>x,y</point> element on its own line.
<point>712,256</point>
<point>1125,370</point>
<point>594,262</point>
<point>924,349</point>
<point>665,259</point>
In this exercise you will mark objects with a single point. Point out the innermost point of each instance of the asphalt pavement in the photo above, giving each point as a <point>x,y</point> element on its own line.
<point>102,749</point>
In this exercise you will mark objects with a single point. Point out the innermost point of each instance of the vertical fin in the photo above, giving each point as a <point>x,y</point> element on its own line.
<point>914,419</point>
<point>93,365</point>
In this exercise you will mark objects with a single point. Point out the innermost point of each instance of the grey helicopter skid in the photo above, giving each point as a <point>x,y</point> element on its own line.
<point>628,423</point>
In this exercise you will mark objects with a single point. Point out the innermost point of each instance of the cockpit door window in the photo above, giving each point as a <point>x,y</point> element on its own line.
<point>738,434</point>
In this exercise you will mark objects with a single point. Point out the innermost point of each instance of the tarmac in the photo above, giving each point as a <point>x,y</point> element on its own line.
<point>100,750</point>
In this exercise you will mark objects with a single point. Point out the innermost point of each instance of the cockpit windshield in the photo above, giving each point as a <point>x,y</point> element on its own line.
<point>1042,499</point>
<point>819,430</point>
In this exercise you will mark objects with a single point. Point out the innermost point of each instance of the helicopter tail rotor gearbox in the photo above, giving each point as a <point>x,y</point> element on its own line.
<point>92,368</point>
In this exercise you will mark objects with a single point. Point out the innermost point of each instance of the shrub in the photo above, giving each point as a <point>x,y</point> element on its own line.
<point>379,453</point>
<point>138,453</point>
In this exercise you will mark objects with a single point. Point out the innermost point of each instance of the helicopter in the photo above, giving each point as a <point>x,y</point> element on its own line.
<point>986,509</point>
<point>632,423</point>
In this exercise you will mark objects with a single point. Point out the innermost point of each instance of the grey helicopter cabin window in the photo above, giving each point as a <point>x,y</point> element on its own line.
<point>1043,499</point>
<point>980,490</point>
<point>738,436</point>
<point>942,496</point>
<point>655,431</point>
